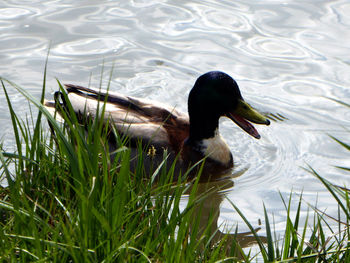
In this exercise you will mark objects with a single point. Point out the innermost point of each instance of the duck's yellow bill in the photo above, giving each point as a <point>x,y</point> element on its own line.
<point>245,113</point>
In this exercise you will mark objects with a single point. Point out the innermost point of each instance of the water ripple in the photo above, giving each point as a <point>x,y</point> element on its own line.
<point>90,46</point>
<point>276,48</point>
<point>13,13</point>
<point>20,44</point>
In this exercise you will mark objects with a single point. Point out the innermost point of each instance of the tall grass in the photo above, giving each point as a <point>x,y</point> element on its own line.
<point>67,200</point>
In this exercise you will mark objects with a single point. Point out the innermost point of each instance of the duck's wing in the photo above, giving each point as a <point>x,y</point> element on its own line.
<point>139,119</point>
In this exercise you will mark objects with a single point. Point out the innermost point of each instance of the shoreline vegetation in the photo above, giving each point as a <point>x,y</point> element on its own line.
<point>66,201</point>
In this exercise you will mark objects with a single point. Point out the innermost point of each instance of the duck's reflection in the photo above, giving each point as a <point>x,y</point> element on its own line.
<point>207,210</point>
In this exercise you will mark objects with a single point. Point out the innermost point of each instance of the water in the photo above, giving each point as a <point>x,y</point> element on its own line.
<point>288,57</point>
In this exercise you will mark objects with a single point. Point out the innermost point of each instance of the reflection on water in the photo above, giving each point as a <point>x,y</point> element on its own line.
<point>288,58</point>
<point>207,211</point>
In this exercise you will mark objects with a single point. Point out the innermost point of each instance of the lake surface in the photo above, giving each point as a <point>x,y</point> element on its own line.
<point>288,57</point>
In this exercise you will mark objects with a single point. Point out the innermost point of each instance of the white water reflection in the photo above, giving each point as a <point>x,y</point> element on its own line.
<point>287,57</point>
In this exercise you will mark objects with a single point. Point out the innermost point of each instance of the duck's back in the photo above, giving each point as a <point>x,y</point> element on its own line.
<point>154,124</point>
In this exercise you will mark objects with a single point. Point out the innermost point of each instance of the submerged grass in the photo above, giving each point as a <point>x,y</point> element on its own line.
<point>68,201</point>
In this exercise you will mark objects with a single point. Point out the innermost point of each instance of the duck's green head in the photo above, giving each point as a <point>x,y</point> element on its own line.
<point>216,94</point>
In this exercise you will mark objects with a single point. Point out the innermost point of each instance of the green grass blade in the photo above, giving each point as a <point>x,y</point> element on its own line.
<point>345,145</point>
<point>14,120</point>
<point>270,246</point>
<point>340,102</point>
<point>36,137</point>
<point>330,188</point>
<point>257,238</point>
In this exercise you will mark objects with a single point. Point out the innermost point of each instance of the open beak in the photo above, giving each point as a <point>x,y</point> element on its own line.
<point>245,113</point>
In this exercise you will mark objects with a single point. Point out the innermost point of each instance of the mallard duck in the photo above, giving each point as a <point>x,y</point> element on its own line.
<point>191,137</point>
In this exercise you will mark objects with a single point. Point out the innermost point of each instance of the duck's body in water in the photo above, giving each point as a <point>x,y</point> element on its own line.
<point>188,138</point>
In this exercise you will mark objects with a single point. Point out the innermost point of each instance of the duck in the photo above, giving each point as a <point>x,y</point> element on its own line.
<point>187,138</point>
